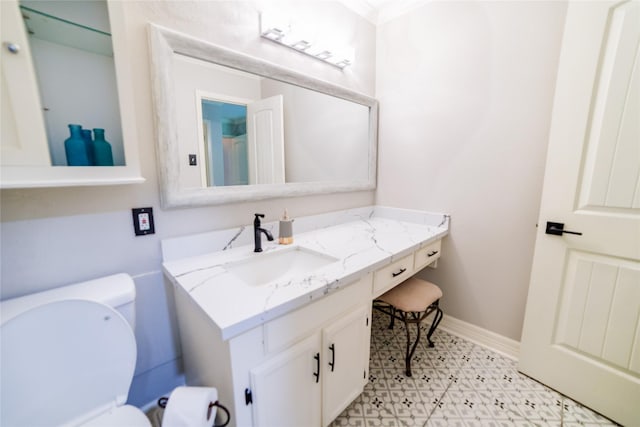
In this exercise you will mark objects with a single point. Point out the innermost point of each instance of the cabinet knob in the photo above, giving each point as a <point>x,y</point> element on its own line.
<point>12,47</point>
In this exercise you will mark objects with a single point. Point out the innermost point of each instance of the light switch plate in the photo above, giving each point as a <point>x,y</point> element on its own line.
<point>143,221</point>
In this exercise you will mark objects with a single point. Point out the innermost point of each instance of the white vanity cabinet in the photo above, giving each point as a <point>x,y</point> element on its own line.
<point>345,367</point>
<point>295,352</point>
<point>300,369</point>
<point>427,255</point>
<point>80,80</point>
<point>286,389</point>
<point>391,275</point>
<point>398,271</point>
<point>311,383</point>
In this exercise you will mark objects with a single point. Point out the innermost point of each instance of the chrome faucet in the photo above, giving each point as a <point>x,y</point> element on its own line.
<point>257,231</point>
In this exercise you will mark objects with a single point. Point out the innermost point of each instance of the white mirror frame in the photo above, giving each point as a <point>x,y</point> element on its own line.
<point>164,43</point>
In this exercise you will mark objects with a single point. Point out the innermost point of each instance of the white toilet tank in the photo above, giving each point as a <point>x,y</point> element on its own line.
<point>117,291</point>
<point>68,356</point>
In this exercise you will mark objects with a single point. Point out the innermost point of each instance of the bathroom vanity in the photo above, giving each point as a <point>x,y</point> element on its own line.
<point>284,334</point>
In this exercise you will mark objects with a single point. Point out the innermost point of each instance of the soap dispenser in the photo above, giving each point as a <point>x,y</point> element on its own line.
<point>285,230</point>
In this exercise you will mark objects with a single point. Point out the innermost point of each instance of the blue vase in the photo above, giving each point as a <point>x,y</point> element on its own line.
<point>101,149</point>
<point>88,144</point>
<point>75,147</point>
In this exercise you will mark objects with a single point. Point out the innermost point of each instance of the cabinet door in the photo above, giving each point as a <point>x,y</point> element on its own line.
<point>68,68</point>
<point>24,140</point>
<point>345,361</point>
<point>286,388</point>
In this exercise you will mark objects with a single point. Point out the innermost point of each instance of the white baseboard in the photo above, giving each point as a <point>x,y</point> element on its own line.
<point>491,340</point>
<point>159,381</point>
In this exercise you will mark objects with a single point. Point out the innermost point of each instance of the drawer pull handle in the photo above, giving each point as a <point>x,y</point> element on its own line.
<point>317,373</point>
<point>402,270</point>
<point>332,347</point>
<point>430,254</point>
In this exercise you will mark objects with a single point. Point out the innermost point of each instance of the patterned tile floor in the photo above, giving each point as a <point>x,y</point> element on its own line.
<point>455,383</point>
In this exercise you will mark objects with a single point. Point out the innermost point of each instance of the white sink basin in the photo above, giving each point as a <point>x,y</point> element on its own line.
<point>264,268</point>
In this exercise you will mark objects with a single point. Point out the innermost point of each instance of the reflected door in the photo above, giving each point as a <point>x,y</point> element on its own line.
<point>265,145</point>
<point>581,333</point>
<point>235,160</point>
<point>224,128</point>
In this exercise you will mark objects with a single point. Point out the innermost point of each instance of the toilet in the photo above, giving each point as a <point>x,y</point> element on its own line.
<point>68,356</point>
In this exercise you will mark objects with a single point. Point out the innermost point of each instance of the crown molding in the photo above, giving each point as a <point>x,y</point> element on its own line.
<point>380,11</point>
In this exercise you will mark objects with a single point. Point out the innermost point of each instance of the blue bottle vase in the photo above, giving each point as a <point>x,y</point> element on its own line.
<point>88,143</point>
<point>75,147</point>
<point>101,149</point>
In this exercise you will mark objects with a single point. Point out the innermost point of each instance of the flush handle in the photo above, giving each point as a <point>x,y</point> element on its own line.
<point>557,229</point>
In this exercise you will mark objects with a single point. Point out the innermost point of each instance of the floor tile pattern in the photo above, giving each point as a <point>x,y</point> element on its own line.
<point>455,383</point>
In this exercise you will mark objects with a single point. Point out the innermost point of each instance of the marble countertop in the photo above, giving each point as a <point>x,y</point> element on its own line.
<point>367,240</point>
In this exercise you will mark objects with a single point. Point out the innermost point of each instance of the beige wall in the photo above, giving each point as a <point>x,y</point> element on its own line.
<point>466,90</point>
<point>55,236</point>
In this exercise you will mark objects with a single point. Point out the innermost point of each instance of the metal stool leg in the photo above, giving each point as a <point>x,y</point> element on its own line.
<point>436,321</point>
<point>411,348</point>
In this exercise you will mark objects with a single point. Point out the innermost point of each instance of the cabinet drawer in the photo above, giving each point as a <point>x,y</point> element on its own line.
<point>284,331</point>
<point>427,255</point>
<point>389,276</point>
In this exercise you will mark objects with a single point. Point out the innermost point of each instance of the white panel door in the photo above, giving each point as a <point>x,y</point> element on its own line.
<point>286,389</point>
<point>345,363</point>
<point>265,148</point>
<point>581,334</point>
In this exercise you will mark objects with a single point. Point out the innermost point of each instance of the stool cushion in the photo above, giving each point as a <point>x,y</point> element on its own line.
<point>412,295</point>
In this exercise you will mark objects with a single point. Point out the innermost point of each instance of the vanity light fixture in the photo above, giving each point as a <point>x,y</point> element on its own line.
<point>279,30</point>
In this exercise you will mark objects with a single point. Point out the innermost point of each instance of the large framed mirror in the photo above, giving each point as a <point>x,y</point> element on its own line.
<point>231,127</point>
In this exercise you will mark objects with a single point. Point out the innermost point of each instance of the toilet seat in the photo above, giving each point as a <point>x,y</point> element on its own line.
<point>66,362</point>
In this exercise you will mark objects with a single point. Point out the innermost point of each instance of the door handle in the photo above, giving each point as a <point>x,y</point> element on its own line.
<point>557,229</point>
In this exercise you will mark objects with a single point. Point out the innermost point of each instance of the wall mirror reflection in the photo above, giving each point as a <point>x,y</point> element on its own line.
<point>232,127</point>
<point>70,44</point>
<point>224,139</point>
<point>257,130</point>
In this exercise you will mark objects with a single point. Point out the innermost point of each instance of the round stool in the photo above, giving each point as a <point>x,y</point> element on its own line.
<point>412,301</point>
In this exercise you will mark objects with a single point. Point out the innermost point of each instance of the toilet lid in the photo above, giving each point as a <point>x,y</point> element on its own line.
<point>64,362</point>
